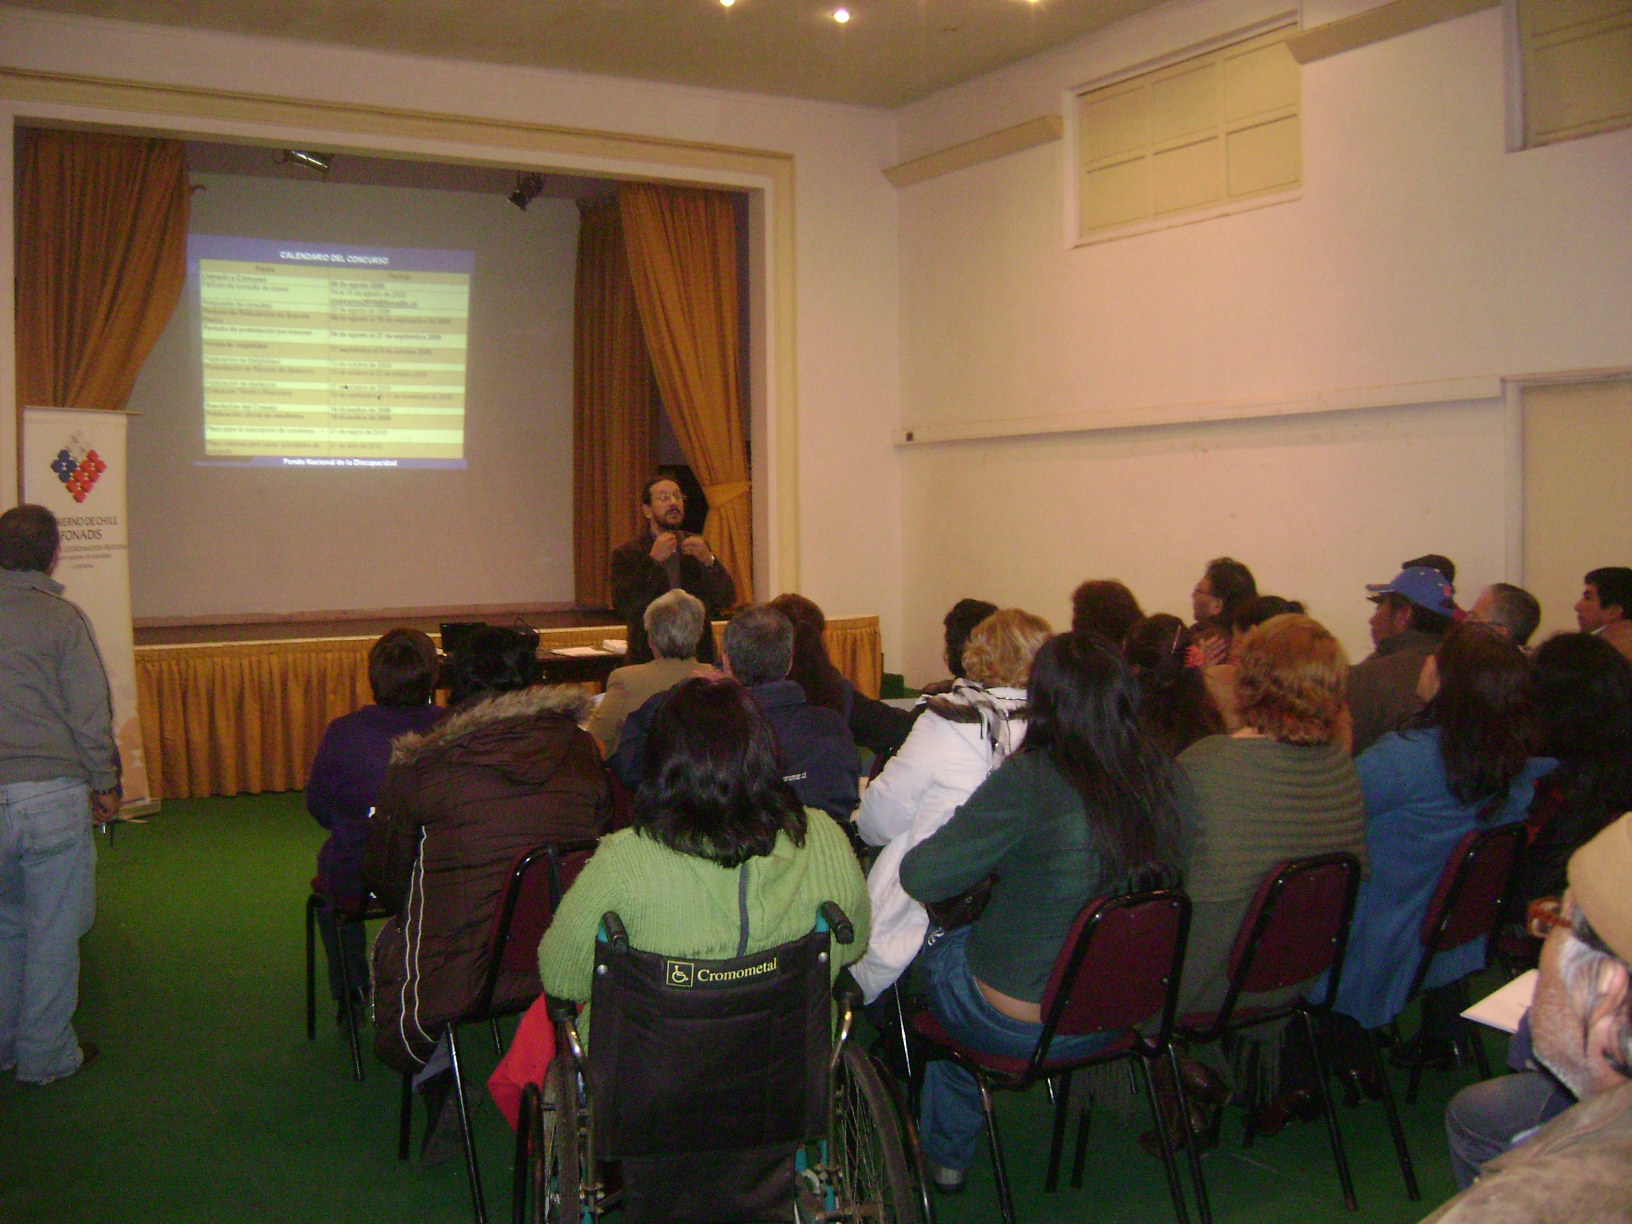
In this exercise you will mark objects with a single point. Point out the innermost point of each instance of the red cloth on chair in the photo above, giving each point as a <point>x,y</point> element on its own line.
<point>524,1062</point>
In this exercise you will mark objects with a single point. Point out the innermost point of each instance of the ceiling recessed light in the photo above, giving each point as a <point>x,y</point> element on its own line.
<point>727,3</point>
<point>841,15</point>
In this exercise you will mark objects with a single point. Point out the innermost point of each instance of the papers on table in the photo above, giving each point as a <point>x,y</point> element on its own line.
<point>1506,1007</point>
<point>613,646</point>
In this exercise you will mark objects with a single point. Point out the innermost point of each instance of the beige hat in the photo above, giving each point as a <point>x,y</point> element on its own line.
<point>1601,879</point>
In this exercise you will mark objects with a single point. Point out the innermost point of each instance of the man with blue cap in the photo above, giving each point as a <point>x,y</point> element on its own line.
<point>1413,612</point>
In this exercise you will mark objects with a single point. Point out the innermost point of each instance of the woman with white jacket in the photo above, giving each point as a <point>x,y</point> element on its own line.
<point>959,738</point>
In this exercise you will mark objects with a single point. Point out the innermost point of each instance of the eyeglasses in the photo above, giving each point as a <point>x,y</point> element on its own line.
<point>668,497</point>
<point>1545,913</point>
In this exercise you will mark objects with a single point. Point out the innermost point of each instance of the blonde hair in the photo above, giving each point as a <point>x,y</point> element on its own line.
<point>1292,680</point>
<point>999,651</point>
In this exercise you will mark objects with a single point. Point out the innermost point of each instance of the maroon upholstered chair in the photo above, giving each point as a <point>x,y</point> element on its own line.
<point>1295,930</point>
<point>537,883</point>
<point>1466,905</point>
<point>1118,968</point>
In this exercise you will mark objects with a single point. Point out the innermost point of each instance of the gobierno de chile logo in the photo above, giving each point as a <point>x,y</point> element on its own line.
<point>78,468</point>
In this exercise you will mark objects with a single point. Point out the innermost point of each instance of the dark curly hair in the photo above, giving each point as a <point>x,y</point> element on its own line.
<point>1106,607</point>
<point>713,783</point>
<point>1174,707</point>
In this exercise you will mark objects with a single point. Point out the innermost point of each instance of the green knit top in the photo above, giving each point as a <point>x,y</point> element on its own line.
<point>681,905</point>
<point>1258,802</point>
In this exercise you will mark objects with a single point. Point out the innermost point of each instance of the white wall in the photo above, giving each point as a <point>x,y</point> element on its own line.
<point>844,296</point>
<point>212,540</point>
<point>1421,260</point>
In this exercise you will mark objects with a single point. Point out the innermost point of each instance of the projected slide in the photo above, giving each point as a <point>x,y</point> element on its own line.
<point>332,356</point>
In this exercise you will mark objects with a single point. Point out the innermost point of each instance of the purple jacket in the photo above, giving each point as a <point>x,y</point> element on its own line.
<point>344,782</point>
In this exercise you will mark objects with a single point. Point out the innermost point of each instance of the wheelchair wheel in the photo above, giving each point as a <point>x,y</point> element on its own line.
<point>553,1162</point>
<point>872,1165</point>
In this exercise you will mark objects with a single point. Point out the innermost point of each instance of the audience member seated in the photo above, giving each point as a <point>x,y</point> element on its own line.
<point>1412,614</point>
<point>506,771</point>
<point>1175,709</point>
<point>345,783</point>
<point>1281,787</point>
<point>877,727</point>
<point>1244,617</point>
<point>819,757</point>
<point>959,623</point>
<point>720,860</point>
<point>675,623</point>
<point>1106,607</point>
<point>1581,689</point>
<point>1464,764</point>
<point>1605,607</point>
<point>1087,807</point>
<point>1508,609</point>
<point>957,741</point>
<point>1224,586</point>
<point>1577,1168</point>
<point>1483,1120</point>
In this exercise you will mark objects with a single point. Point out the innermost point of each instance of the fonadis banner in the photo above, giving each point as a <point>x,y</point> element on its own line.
<point>74,466</point>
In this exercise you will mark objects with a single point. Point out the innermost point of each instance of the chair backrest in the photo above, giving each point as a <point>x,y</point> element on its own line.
<point>1468,900</point>
<point>1296,927</point>
<point>537,883</point>
<point>1119,966</point>
<point>695,1056</point>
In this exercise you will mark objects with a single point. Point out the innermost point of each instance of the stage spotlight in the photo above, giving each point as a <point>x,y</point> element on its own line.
<point>529,184</point>
<point>319,163</point>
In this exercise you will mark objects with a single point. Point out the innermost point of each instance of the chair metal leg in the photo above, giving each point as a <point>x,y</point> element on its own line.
<point>1391,1111</point>
<point>478,1206</point>
<point>1329,1109</point>
<point>405,1117</point>
<point>1062,1110</point>
<point>1198,1180</point>
<point>498,1041</point>
<point>348,1004</point>
<point>1169,1165</point>
<point>901,1028</point>
<point>1079,1157</point>
<point>312,902</point>
<point>1005,1198</point>
<point>1474,1040</point>
<point>1416,1074</point>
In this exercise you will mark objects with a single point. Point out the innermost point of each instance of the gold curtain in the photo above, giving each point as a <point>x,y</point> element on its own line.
<point>682,245</point>
<point>101,257</point>
<point>611,402</point>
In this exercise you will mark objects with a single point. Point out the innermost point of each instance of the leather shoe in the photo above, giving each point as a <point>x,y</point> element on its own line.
<point>1202,1083</point>
<point>1204,1126</point>
<point>1435,1053</point>
<point>1300,1103</point>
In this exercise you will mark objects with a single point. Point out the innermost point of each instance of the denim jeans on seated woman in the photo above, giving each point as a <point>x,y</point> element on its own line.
<point>950,1117</point>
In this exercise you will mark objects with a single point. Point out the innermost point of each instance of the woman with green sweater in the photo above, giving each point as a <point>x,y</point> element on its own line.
<point>1085,808</point>
<point>1282,787</point>
<point>720,860</point>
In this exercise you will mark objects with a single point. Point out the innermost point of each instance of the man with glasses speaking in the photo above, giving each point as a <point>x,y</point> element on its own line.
<point>661,559</point>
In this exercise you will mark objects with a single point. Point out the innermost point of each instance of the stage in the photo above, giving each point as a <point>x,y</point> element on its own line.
<point>231,708</point>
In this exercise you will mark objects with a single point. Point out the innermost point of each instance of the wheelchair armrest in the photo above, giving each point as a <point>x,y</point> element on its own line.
<point>616,933</point>
<point>843,931</point>
<point>847,991</point>
<point>560,1011</point>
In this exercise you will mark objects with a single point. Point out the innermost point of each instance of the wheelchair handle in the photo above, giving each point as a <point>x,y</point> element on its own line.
<point>616,933</point>
<point>843,931</point>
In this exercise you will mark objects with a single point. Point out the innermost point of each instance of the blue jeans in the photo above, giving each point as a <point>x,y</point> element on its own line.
<point>1486,1119</point>
<point>47,901</point>
<point>950,1117</point>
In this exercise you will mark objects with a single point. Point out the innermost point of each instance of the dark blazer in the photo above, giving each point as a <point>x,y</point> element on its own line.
<point>637,580</point>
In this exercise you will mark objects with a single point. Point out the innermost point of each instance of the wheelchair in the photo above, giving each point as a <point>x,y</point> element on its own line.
<point>718,1091</point>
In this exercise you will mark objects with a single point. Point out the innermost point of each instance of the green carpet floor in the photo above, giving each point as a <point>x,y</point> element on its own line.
<point>209,1105</point>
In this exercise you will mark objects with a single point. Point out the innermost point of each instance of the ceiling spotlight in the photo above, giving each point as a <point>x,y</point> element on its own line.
<point>841,15</point>
<point>529,185</point>
<point>727,3</point>
<point>318,163</point>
